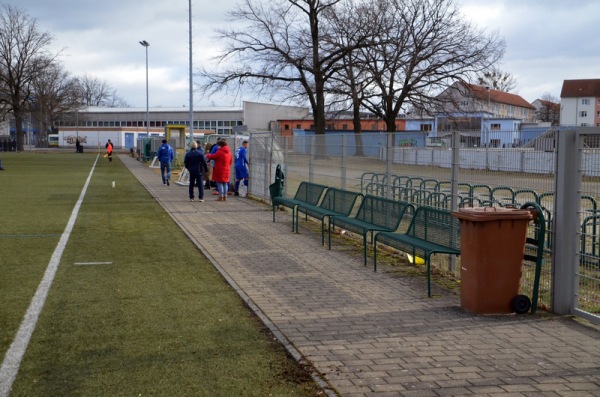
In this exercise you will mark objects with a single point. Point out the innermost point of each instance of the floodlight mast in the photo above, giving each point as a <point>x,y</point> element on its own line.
<point>146,45</point>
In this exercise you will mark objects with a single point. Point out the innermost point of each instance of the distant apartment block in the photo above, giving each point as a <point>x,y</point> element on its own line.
<point>580,103</point>
<point>468,99</point>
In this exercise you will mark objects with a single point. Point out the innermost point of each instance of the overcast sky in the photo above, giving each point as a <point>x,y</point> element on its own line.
<point>547,41</point>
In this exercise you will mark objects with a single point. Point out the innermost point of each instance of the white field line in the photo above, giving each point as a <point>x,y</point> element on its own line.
<point>92,263</point>
<point>14,355</point>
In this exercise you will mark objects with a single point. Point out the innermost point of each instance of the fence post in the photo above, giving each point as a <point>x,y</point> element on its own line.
<point>311,158</point>
<point>455,143</point>
<point>344,160</point>
<point>388,164</point>
<point>566,225</point>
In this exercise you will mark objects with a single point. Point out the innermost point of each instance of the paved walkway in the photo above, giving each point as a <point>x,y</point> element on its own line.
<point>373,334</point>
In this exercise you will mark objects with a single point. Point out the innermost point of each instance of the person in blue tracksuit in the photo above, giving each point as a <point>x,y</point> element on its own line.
<point>165,155</point>
<point>241,166</point>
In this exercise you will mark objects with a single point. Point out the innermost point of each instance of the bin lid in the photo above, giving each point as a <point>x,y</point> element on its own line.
<point>492,213</point>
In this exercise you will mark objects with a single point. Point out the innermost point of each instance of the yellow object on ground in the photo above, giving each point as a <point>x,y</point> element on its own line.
<point>417,260</point>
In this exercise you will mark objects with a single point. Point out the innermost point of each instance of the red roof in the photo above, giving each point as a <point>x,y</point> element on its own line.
<point>580,88</point>
<point>507,98</point>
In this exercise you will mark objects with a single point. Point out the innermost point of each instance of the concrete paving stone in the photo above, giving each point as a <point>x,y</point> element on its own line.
<point>589,386</point>
<point>433,377</point>
<point>419,393</point>
<point>523,387</point>
<point>385,388</point>
<point>554,387</point>
<point>453,391</point>
<point>451,383</point>
<point>465,375</point>
<point>322,303</point>
<point>479,390</point>
<point>578,394</point>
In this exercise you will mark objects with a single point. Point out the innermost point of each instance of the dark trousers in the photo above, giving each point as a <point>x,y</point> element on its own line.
<point>196,179</point>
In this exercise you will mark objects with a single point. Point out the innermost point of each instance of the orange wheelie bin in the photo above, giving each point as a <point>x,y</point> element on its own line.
<point>492,248</point>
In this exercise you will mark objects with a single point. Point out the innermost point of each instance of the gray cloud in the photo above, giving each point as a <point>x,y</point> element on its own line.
<point>548,41</point>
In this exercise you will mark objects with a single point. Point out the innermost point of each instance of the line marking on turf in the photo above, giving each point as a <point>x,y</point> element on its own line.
<point>14,355</point>
<point>92,263</point>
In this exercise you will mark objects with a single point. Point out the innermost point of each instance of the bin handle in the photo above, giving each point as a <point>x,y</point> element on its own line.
<point>485,209</point>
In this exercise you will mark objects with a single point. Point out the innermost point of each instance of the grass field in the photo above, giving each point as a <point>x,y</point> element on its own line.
<point>135,309</point>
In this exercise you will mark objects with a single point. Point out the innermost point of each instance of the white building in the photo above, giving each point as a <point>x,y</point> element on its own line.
<point>580,103</point>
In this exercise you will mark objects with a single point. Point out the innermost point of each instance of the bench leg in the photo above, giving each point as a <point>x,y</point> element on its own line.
<point>375,255</point>
<point>428,276</point>
<point>365,246</point>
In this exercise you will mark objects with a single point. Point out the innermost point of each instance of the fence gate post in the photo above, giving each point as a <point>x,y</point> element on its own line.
<point>566,203</point>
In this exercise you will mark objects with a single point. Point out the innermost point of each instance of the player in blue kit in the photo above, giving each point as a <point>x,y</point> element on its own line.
<point>241,167</point>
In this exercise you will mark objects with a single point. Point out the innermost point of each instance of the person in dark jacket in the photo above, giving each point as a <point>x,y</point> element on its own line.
<point>196,165</point>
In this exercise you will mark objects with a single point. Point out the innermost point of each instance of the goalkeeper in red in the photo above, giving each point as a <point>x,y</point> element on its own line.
<point>241,166</point>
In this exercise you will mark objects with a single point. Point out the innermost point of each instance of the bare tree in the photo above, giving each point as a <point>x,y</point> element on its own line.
<point>549,110</point>
<point>425,47</point>
<point>95,92</point>
<point>23,57</point>
<point>284,46</point>
<point>352,84</point>
<point>55,93</point>
<point>497,80</point>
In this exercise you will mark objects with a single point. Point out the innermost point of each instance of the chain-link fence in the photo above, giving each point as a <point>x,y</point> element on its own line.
<point>453,172</point>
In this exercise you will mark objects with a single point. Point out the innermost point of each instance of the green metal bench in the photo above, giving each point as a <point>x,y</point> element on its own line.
<point>336,202</point>
<point>375,214</point>
<point>308,193</point>
<point>431,231</point>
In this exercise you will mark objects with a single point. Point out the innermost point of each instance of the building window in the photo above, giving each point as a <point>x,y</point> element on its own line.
<point>464,103</point>
<point>344,126</point>
<point>426,127</point>
<point>495,126</point>
<point>286,127</point>
<point>585,101</point>
<point>298,127</point>
<point>583,113</point>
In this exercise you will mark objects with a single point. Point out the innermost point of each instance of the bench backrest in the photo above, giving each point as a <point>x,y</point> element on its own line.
<point>339,200</point>
<point>435,225</point>
<point>383,212</point>
<point>309,192</point>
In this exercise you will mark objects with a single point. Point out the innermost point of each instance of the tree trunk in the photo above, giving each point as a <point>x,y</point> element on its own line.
<point>321,149</point>
<point>19,131</point>
<point>390,125</point>
<point>357,129</point>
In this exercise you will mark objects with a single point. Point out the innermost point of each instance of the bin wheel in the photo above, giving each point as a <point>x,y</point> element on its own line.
<point>520,304</point>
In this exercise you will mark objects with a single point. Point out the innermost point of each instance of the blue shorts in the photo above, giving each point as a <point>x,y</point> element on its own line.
<point>241,172</point>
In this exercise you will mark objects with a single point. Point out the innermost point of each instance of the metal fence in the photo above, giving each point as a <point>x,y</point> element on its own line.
<point>562,175</point>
